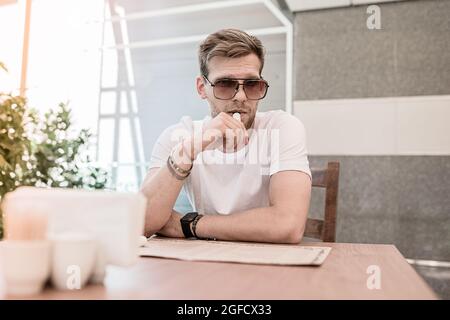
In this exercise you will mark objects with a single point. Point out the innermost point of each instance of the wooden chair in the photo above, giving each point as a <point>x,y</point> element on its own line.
<point>328,178</point>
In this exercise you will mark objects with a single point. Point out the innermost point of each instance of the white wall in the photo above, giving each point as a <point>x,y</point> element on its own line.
<point>377,126</point>
<point>11,19</point>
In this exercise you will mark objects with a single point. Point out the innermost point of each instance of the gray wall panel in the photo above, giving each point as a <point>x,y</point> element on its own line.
<point>336,56</point>
<point>402,200</point>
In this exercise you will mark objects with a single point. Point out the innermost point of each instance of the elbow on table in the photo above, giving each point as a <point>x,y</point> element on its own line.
<point>292,233</point>
<point>291,225</point>
<point>295,236</point>
<point>155,220</point>
<point>151,228</point>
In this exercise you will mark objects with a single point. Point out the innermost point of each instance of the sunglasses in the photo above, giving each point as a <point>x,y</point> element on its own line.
<point>226,89</point>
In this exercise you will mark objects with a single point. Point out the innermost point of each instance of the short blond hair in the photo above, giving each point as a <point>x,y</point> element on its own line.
<point>229,43</point>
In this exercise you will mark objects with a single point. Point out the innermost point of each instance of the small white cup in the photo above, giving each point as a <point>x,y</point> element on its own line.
<point>25,265</point>
<point>73,260</point>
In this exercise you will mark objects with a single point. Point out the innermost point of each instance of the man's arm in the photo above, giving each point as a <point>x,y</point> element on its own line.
<point>283,221</point>
<point>161,190</point>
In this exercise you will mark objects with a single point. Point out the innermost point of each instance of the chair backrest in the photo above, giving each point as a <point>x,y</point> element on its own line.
<point>327,178</point>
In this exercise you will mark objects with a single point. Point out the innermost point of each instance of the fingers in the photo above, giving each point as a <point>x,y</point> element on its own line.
<point>236,135</point>
<point>224,126</point>
<point>237,126</point>
<point>232,122</point>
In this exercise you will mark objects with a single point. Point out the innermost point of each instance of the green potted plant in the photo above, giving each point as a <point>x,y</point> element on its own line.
<point>43,152</point>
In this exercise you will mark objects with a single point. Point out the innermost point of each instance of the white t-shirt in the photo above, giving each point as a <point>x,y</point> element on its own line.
<point>223,183</point>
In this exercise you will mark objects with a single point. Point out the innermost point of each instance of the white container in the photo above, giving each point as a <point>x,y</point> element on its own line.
<point>25,265</point>
<point>115,219</point>
<point>73,259</point>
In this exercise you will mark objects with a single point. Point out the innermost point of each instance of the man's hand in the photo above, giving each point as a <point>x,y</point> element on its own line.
<point>224,126</point>
<point>222,129</point>
<point>173,227</point>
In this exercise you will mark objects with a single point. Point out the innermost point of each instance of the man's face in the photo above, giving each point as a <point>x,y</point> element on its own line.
<point>246,67</point>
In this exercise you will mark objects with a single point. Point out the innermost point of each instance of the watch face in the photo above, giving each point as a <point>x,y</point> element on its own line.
<point>189,217</point>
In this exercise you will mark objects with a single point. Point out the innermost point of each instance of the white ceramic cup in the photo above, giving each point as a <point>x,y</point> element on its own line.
<point>73,259</point>
<point>25,265</point>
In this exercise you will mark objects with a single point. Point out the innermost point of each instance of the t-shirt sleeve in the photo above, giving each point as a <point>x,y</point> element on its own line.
<point>164,144</point>
<point>288,145</point>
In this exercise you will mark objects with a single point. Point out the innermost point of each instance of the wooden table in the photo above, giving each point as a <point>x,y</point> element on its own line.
<point>342,276</point>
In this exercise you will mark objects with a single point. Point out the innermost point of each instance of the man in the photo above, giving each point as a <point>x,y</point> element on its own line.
<point>246,173</point>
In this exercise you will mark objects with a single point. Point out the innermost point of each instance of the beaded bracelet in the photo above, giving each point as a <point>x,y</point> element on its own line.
<point>176,167</point>
<point>174,172</point>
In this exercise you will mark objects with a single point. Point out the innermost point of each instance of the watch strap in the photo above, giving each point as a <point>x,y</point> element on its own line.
<point>194,225</point>
<point>186,226</point>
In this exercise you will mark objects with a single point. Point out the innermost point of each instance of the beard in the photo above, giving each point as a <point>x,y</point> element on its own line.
<point>247,112</point>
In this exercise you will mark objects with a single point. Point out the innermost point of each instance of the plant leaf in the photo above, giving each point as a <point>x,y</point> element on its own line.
<point>2,66</point>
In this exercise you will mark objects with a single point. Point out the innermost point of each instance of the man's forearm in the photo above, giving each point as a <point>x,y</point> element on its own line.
<point>162,188</point>
<point>267,224</point>
<point>161,191</point>
<point>282,222</point>
<point>173,226</point>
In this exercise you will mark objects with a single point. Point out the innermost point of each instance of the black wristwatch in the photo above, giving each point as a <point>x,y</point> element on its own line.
<point>186,221</point>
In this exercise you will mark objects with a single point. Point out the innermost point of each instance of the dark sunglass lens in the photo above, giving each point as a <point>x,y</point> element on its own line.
<point>255,89</point>
<point>225,89</point>
<point>226,84</point>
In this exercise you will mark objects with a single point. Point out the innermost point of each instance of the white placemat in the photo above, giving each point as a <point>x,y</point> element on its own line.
<point>238,252</point>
